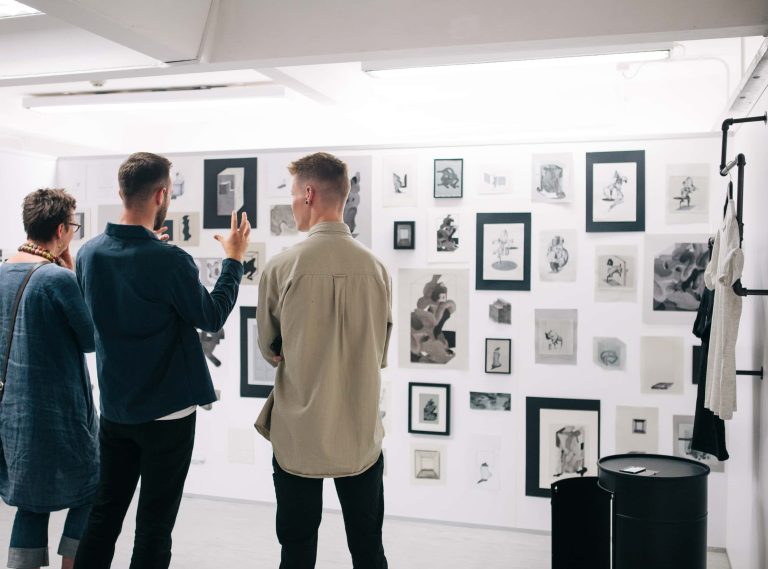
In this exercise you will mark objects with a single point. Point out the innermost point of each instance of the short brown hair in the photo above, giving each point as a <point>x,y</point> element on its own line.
<point>44,210</point>
<point>324,168</point>
<point>141,174</point>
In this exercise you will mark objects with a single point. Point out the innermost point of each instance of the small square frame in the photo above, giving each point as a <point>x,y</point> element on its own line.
<point>399,243</point>
<point>444,171</point>
<point>442,428</point>
<point>505,364</point>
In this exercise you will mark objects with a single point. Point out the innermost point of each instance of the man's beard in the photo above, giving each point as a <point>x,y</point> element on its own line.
<point>160,217</point>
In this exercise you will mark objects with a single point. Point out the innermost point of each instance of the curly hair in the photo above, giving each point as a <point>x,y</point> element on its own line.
<point>44,210</point>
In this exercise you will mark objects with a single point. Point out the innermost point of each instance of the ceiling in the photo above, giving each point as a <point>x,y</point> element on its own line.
<point>315,51</point>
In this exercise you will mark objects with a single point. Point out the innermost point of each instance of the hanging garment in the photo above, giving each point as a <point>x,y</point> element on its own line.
<point>708,428</point>
<point>723,270</point>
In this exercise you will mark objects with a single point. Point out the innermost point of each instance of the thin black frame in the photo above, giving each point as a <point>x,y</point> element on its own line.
<point>447,387</point>
<point>246,389</point>
<point>533,407</point>
<point>412,225</point>
<point>636,156</point>
<point>488,218</point>
<point>211,168</point>
<point>509,355</point>
<point>434,179</point>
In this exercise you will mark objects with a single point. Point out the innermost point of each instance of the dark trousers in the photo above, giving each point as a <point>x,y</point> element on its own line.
<point>159,452</point>
<point>299,509</point>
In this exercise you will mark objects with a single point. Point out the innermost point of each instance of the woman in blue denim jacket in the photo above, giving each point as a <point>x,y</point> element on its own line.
<point>48,428</point>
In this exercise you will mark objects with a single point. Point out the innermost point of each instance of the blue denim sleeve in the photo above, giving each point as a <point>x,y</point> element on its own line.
<point>68,299</point>
<point>205,310</point>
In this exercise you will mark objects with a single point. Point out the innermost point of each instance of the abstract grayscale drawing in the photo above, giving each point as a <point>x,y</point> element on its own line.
<point>682,443</point>
<point>610,353</point>
<point>429,342</point>
<point>556,336</point>
<point>483,401</point>
<point>177,185</point>
<point>210,269</point>
<point>552,178</point>
<point>399,181</point>
<point>352,204</point>
<point>255,258</point>
<point>281,221</point>
<point>447,240</point>
<point>427,464</point>
<point>557,255</point>
<point>429,408</point>
<point>448,178</point>
<point>209,341</point>
<point>230,192</point>
<point>687,196</point>
<point>568,451</point>
<point>678,277</point>
<point>500,311</point>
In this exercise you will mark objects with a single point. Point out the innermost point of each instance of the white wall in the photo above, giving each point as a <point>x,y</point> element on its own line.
<point>747,518</point>
<point>20,173</point>
<point>226,434</point>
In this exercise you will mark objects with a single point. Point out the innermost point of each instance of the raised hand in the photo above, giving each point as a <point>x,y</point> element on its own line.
<point>236,243</point>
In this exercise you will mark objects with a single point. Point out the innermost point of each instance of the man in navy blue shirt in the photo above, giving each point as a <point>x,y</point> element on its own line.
<point>146,301</point>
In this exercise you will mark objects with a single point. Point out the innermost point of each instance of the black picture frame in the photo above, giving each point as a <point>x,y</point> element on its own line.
<point>247,389</point>
<point>414,428</point>
<point>444,171</point>
<point>697,352</point>
<point>533,407</point>
<point>398,243</point>
<point>505,363</point>
<point>597,158</point>
<point>484,219</point>
<point>211,170</point>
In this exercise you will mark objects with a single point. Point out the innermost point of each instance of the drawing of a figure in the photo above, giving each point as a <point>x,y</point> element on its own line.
<point>554,340</point>
<point>445,235</point>
<point>353,203</point>
<point>429,343</point>
<point>186,235</point>
<point>400,183</point>
<point>678,277</point>
<point>613,192</point>
<point>177,186</point>
<point>448,178</point>
<point>496,358</point>
<point>209,341</point>
<point>213,270</point>
<point>557,254</point>
<point>551,182</point>
<point>686,189</point>
<point>250,269</point>
<point>569,441</point>
<point>502,247</point>
<point>485,473</point>
<point>429,413</point>
<point>615,271</point>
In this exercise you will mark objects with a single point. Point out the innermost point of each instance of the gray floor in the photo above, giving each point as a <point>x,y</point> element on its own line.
<point>213,534</point>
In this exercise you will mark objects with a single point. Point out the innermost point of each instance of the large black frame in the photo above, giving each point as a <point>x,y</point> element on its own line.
<point>246,389</point>
<point>211,169</point>
<point>533,407</point>
<point>484,219</point>
<point>636,156</point>
<point>447,387</point>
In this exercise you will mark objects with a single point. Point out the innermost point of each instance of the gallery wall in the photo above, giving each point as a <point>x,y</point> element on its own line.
<point>231,461</point>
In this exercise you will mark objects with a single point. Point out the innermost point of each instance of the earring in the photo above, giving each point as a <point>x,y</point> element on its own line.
<point>306,202</point>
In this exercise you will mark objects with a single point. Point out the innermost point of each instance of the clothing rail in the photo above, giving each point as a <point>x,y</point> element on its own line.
<point>739,162</point>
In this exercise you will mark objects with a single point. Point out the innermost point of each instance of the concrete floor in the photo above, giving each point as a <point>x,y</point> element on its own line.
<point>213,534</point>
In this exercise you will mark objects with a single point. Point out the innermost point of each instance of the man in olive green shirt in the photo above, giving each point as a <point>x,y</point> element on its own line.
<point>324,320</point>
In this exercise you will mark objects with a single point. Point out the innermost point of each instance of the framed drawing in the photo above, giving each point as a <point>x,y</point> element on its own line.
<point>229,184</point>
<point>399,181</point>
<point>210,269</point>
<point>448,178</point>
<point>358,210</point>
<point>498,355</point>
<point>405,235</point>
<point>494,179</point>
<point>429,408</point>
<point>255,259</point>
<point>503,257</point>
<point>436,305</point>
<point>83,219</point>
<point>661,364</point>
<point>428,464</point>
<point>557,255</point>
<point>484,401</point>
<point>674,282</point>
<point>610,354</point>
<point>257,377</point>
<point>687,195</point>
<point>637,430</point>
<point>682,439</point>
<point>562,441</point>
<point>446,237</point>
<point>183,228</point>
<point>552,174</point>
<point>616,273</point>
<point>556,336</point>
<point>616,191</point>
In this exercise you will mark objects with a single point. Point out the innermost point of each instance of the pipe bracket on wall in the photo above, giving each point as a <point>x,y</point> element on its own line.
<point>756,373</point>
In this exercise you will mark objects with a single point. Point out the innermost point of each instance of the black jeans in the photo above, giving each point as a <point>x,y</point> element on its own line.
<point>300,507</point>
<point>159,452</point>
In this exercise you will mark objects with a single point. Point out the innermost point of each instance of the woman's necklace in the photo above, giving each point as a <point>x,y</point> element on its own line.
<point>38,251</point>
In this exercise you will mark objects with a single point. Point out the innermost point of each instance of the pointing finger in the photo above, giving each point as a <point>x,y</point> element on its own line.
<point>233,222</point>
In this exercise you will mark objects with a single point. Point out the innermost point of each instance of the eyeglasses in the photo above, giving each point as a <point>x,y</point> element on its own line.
<point>75,226</point>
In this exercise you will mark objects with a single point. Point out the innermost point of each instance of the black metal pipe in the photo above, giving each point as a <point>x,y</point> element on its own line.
<point>756,373</point>
<point>724,147</point>
<point>741,161</point>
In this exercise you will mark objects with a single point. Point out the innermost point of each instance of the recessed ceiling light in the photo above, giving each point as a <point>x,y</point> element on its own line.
<point>12,9</point>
